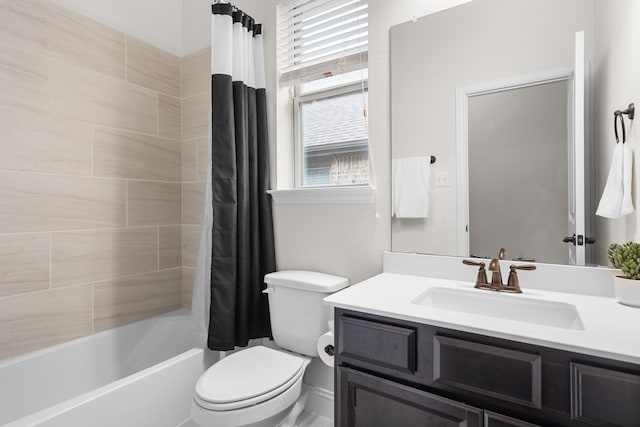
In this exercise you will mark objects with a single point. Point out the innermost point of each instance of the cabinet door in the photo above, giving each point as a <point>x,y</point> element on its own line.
<point>604,397</point>
<point>368,401</point>
<point>491,419</point>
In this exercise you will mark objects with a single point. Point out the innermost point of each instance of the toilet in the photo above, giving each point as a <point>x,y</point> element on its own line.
<point>259,386</point>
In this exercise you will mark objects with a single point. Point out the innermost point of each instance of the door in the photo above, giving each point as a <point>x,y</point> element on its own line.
<point>578,157</point>
<point>368,401</point>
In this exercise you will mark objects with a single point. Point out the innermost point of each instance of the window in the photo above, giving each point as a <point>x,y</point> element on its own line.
<point>323,46</point>
<point>333,139</point>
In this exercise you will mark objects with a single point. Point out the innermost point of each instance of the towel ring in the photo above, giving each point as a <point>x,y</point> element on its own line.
<point>617,114</point>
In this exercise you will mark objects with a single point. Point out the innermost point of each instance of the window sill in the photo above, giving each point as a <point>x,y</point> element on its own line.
<point>324,196</point>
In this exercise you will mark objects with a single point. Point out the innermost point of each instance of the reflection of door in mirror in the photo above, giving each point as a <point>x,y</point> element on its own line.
<point>518,189</point>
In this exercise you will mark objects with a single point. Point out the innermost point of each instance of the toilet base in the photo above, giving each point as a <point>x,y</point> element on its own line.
<point>273,421</point>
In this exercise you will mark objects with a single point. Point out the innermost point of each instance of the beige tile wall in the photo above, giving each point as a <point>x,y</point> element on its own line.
<point>92,164</point>
<point>196,107</point>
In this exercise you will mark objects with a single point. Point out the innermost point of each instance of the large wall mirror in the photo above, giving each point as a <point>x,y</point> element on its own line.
<point>521,182</point>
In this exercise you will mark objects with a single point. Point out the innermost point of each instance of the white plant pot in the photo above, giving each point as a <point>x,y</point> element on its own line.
<point>627,291</point>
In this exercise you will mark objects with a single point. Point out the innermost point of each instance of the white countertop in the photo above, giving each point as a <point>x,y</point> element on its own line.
<point>611,330</point>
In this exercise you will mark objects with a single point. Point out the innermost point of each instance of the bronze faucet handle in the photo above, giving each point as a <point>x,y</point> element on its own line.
<point>524,267</point>
<point>481,279</point>
<point>513,284</point>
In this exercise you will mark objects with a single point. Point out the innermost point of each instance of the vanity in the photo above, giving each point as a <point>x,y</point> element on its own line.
<point>417,345</point>
<point>414,350</point>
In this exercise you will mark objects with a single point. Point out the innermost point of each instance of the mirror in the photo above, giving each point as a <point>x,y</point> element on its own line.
<point>488,41</point>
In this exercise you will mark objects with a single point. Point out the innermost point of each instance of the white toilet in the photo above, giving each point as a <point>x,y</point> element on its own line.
<point>259,386</point>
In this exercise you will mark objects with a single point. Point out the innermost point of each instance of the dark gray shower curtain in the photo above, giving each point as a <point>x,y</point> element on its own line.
<point>242,233</point>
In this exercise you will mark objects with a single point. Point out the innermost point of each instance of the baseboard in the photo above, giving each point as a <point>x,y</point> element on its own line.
<point>320,401</point>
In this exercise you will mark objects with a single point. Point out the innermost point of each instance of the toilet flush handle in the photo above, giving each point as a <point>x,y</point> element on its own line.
<point>268,290</point>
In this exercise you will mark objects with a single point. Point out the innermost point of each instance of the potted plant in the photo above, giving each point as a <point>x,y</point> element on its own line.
<point>626,257</point>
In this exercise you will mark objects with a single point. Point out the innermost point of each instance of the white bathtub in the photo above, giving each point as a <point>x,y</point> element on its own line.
<point>141,374</point>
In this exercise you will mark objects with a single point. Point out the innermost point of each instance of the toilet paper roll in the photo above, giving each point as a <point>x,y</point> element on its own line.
<point>325,345</point>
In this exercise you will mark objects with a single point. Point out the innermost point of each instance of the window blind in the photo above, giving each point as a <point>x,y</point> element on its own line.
<point>321,38</point>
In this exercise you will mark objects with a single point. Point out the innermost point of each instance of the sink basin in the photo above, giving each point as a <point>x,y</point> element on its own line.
<point>511,307</point>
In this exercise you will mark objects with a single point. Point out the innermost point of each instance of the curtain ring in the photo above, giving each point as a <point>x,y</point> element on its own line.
<point>617,114</point>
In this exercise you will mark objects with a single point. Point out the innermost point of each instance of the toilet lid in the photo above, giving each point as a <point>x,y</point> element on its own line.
<point>248,377</point>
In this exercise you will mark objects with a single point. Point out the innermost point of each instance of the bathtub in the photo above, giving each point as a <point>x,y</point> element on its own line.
<point>142,374</point>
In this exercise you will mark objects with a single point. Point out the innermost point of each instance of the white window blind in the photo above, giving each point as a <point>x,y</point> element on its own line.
<point>321,38</point>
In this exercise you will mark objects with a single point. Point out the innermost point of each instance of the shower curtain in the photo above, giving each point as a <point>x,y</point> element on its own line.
<point>236,245</point>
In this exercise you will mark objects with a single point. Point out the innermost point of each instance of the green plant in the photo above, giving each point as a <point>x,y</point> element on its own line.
<point>626,257</point>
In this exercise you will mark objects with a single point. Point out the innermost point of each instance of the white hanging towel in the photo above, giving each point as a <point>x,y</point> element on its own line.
<point>616,197</point>
<point>410,189</point>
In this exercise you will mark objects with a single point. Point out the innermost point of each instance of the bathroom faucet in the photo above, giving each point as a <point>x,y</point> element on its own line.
<point>513,284</point>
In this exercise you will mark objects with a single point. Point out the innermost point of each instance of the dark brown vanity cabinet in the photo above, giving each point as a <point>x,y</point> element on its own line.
<point>391,372</point>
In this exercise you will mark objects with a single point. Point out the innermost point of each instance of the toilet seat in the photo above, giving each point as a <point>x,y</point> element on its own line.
<point>266,414</point>
<point>247,378</point>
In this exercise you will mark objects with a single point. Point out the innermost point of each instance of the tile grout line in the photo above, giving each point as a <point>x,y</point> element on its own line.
<point>197,160</point>
<point>126,57</point>
<point>182,176</point>
<point>50,100</point>
<point>136,132</point>
<point>50,260</point>
<point>57,288</point>
<point>93,139</point>
<point>95,282</point>
<point>99,177</point>
<point>158,245</point>
<point>58,117</point>
<point>93,308</point>
<point>126,203</point>
<point>86,230</point>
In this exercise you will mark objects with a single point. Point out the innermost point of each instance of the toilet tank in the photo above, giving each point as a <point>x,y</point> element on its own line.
<point>298,315</point>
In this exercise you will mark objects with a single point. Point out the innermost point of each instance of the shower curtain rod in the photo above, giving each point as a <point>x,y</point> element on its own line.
<point>226,2</point>
<point>235,8</point>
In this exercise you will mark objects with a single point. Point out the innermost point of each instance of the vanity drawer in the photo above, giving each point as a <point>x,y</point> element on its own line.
<point>505,374</point>
<point>491,419</point>
<point>604,397</point>
<point>386,345</point>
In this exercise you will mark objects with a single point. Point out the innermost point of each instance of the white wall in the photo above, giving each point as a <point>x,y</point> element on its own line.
<point>157,22</point>
<point>616,82</point>
<point>196,25</point>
